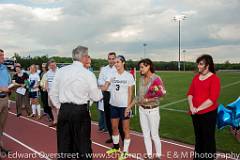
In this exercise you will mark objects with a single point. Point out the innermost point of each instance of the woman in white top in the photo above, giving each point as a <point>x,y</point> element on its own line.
<point>34,80</point>
<point>121,89</point>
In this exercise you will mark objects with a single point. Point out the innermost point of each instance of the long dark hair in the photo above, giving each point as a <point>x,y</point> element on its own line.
<point>208,60</point>
<point>146,62</point>
<point>122,59</point>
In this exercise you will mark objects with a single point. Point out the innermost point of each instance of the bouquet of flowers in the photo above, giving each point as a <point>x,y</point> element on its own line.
<point>156,89</point>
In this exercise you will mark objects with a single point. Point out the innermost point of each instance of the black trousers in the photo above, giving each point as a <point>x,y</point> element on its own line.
<point>74,131</point>
<point>46,108</point>
<point>107,112</point>
<point>204,129</point>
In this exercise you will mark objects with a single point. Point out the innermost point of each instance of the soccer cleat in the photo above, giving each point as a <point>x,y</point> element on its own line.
<point>113,150</point>
<point>123,156</point>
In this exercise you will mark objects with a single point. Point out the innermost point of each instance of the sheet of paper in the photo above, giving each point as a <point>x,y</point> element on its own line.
<point>21,90</point>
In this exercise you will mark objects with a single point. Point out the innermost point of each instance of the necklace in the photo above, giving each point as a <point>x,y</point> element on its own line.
<point>205,74</point>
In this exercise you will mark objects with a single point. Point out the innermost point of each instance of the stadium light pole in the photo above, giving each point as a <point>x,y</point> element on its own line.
<point>179,18</point>
<point>184,59</point>
<point>144,49</point>
<point>29,59</point>
<point>15,59</point>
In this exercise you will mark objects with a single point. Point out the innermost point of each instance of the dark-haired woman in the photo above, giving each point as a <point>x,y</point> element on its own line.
<point>202,99</point>
<point>149,106</point>
<point>151,88</point>
<point>121,87</point>
<point>22,97</point>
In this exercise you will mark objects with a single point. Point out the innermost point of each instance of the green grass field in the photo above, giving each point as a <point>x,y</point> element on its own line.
<point>175,123</point>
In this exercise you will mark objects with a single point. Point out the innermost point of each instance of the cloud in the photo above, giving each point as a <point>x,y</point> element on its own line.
<point>47,14</point>
<point>56,26</point>
<point>227,32</point>
<point>43,1</point>
<point>220,53</point>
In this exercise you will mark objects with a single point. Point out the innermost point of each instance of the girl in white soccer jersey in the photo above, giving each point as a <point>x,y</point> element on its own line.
<point>121,87</point>
<point>34,80</point>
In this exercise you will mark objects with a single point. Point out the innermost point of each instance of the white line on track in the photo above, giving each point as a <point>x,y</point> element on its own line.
<point>98,144</point>
<point>132,132</point>
<point>169,142</point>
<point>26,146</point>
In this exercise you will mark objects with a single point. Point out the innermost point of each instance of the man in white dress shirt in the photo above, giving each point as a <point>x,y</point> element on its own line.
<point>72,88</point>
<point>104,74</point>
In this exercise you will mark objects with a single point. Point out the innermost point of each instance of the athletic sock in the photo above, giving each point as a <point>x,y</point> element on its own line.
<point>39,109</point>
<point>34,108</point>
<point>115,141</point>
<point>126,145</point>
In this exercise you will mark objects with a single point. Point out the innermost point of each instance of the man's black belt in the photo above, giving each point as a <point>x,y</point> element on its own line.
<point>76,105</point>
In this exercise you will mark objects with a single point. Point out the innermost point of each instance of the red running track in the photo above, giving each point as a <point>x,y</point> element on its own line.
<point>32,139</point>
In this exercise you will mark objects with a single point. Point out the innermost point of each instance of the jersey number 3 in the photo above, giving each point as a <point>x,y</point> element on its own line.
<point>117,87</point>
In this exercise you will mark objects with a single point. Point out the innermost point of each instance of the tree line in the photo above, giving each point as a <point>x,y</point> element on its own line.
<point>98,63</point>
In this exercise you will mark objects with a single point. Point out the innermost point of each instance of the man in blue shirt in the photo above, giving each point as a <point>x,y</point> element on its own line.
<point>5,80</point>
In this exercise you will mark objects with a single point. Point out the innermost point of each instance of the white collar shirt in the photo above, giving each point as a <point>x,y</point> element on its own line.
<point>106,72</point>
<point>74,84</point>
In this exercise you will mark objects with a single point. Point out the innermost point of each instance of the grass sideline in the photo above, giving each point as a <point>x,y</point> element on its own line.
<point>178,125</point>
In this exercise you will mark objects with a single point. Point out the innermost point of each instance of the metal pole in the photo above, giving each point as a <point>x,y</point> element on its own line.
<point>144,50</point>
<point>29,60</point>
<point>179,47</point>
<point>184,61</point>
<point>135,90</point>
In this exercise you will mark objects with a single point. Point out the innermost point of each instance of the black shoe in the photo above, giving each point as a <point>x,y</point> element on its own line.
<point>52,125</point>
<point>109,141</point>
<point>44,114</point>
<point>19,114</point>
<point>4,150</point>
<point>49,119</point>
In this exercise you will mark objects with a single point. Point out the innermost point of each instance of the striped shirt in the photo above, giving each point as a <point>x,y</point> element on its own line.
<point>50,77</point>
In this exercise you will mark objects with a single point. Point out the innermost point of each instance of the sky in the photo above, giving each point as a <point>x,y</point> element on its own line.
<point>55,27</point>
